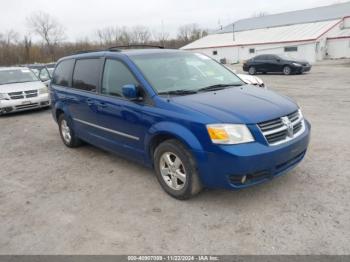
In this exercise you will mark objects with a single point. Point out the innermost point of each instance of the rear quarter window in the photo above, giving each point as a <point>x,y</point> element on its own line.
<point>63,73</point>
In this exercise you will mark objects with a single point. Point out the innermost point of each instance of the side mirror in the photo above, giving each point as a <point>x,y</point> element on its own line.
<point>278,60</point>
<point>131,92</point>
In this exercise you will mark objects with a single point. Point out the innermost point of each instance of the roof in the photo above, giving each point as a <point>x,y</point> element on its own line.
<point>284,34</point>
<point>125,52</point>
<point>323,13</point>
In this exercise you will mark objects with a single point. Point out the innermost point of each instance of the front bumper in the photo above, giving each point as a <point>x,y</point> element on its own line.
<point>256,162</point>
<point>303,69</point>
<point>11,106</point>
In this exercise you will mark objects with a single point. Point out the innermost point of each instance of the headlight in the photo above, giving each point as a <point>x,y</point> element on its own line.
<point>296,64</point>
<point>43,91</point>
<point>300,113</point>
<point>229,134</point>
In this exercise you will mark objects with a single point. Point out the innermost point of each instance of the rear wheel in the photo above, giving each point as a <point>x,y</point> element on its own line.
<point>176,170</point>
<point>67,133</point>
<point>287,70</point>
<point>252,70</point>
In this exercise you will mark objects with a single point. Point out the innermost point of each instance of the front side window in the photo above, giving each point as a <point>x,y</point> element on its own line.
<point>174,71</point>
<point>86,74</point>
<point>63,73</point>
<point>115,76</point>
<point>17,76</point>
<point>271,57</point>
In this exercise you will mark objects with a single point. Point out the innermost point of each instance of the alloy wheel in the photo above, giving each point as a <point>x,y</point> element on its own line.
<point>173,171</point>
<point>287,70</point>
<point>252,70</point>
<point>65,130</point>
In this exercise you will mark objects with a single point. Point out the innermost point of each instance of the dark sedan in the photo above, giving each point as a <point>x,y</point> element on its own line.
<point>275,64</point>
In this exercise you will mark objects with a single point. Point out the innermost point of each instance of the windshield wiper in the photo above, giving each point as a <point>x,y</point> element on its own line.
<point>178,92</point>
<point>217,87</point>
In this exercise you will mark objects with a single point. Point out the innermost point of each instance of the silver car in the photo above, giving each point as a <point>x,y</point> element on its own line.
<point>21,89</point>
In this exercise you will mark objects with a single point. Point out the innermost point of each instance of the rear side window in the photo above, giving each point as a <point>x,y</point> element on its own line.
<point>115,76</point>
<point>260,57</point>
<point>63,73</point>
<point>87,74</point>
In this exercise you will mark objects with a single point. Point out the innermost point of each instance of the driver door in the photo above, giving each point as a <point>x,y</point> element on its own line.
<point>120,121</point>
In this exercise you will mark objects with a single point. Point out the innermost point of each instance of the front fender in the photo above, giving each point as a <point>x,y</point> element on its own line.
<point>181,132</point>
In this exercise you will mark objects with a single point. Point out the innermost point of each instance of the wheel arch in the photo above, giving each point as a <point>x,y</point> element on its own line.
<point>165,131</point>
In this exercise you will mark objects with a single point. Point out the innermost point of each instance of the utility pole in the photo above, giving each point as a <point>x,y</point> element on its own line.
<point>233,32</point>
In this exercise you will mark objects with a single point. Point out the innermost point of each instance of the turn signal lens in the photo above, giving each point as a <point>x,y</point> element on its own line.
<point>229,134</point>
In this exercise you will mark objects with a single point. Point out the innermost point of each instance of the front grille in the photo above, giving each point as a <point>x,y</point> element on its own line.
<point>22,95</point>
<point>31,93</point>
<point>16,95</point>
<point>283,129</point>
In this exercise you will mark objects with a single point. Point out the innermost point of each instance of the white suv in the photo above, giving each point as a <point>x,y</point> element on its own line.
<point>21,90</point>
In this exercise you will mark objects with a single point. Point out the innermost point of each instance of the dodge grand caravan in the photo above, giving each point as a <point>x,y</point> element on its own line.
<point>182,113</point>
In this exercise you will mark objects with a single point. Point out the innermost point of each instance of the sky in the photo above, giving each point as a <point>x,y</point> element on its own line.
<point>82,18</point>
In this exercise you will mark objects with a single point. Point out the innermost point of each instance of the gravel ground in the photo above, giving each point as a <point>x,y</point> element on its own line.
<point>55,200</point>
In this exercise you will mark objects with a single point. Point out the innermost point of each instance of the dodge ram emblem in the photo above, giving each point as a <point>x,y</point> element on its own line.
<point>289,125</point>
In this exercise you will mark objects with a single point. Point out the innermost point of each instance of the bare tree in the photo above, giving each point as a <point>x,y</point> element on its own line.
<point>123,35</point>
<point>191,32</point>
<point>108,35</point>
<point>48,28</point>
<point>160,37</point>
<point>11,37</point>
<point>27,44</point>
<point>140,35</point>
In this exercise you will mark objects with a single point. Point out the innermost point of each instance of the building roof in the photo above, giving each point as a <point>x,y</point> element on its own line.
<point>323,13</point>
<point>284,34</point>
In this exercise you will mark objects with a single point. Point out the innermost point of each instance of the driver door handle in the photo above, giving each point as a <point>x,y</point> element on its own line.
<point>102,105</point>
<point>90,102</point>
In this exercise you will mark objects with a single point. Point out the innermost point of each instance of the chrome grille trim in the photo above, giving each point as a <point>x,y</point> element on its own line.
<point>22,95</point>
<point>276,132</point>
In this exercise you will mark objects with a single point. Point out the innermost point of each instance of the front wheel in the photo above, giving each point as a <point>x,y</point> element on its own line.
<point>287,70</point>
<point>67,133</point>
<point>176,170</point>
<point>252,70</point>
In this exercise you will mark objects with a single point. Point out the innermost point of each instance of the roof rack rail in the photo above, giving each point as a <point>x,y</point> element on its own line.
<point>87,51</point>
<point>112,48</point>
<point>118,48</point>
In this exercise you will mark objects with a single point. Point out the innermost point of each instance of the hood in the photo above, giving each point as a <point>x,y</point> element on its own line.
<point>19,87</point>
<point>246,104</point>
<point>299,61</point>
<point>250,79</point>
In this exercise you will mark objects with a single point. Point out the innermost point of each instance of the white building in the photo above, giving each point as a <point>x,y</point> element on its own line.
<point>312,34</point>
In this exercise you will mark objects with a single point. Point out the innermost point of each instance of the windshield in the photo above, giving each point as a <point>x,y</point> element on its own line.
<point>51,69</point>
<point>286,57</point>
<point>35,71</point>
<point>169,72</point>
<point>17,76</point>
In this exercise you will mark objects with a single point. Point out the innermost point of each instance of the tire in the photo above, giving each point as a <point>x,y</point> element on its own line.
<point>252,70</point>
<point>186,183</point>
<point>287,70</point>
<point>67,133</point>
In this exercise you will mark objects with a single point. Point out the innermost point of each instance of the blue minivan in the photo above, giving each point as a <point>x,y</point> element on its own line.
<point>182,113</point>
